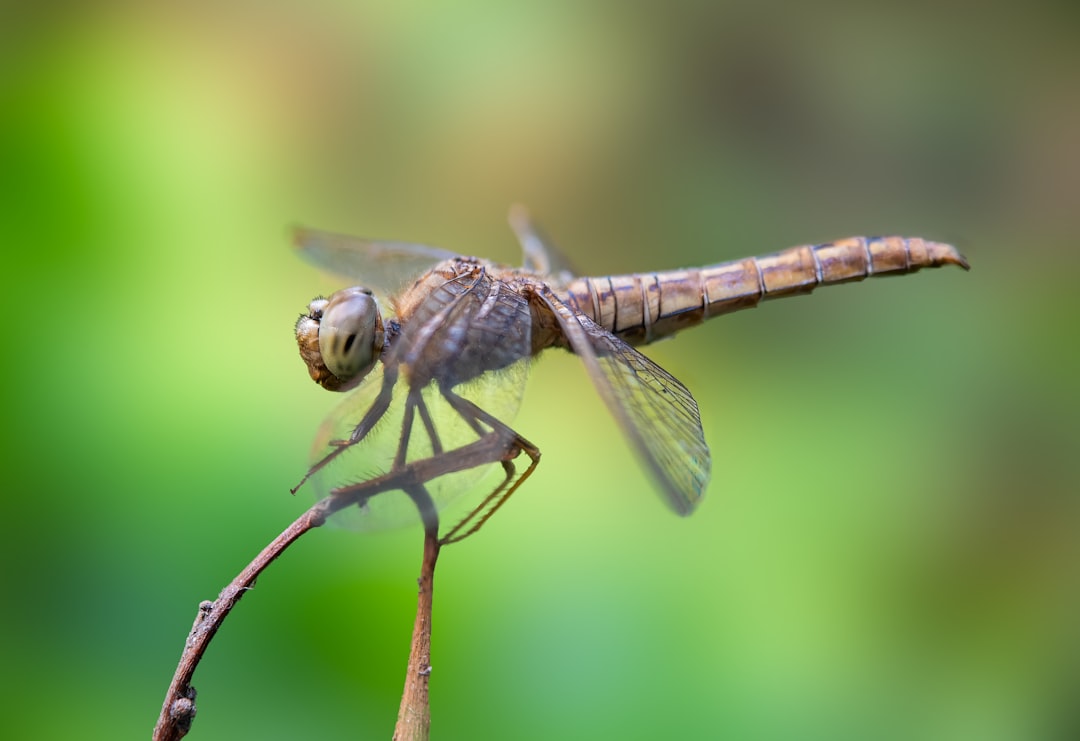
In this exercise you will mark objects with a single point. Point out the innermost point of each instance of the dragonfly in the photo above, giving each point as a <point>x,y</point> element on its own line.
<point>434,347</point>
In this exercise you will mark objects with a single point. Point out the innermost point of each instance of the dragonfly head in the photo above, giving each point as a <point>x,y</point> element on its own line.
<point>340,338</point>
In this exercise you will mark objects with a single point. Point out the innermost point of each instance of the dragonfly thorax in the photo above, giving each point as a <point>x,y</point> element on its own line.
<point>340,338</point>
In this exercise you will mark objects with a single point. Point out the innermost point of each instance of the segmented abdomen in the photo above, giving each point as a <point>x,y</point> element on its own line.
<point>641,308</point>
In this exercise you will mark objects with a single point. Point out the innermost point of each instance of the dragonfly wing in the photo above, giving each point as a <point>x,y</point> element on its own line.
<point>382,266</point>
<point>476,389</point>
<point>540,255</point>
<point>656,412</point>
<point>454,374</point>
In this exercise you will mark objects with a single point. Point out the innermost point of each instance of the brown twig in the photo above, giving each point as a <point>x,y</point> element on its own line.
<point>414,715</point>
<point>178,710</point>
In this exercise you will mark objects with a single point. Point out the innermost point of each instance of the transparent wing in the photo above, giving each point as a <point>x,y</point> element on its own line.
<point>384,267</point>
<point>540,255</point>
<point>656,412</point>
<point>454,375</point>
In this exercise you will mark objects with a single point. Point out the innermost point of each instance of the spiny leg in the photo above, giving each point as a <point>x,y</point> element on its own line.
<point>373,415</point>
<point>414,403</point>
<point>473,521</point>
<point>471,413</point>
<point>429,426</point>
<point>491,448</point>
<point>516,445</point>
<point>406,431</point>
<point>425,505</point>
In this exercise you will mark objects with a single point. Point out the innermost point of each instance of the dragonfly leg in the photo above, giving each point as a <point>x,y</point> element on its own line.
<point>475,519</point>
<point>513,446</point>
<point>425,505</point>
<point>429,426</point>
<point>414,403</point>
<point>474,415</point>
<point>373,415</point>
<point>406,430</point>
<point>493,447</point>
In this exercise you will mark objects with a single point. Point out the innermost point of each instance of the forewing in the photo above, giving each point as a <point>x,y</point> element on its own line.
<point>656,412</point>
<point>384,267</point>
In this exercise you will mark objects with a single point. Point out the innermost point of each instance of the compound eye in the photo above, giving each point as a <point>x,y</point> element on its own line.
<point>348,333</point>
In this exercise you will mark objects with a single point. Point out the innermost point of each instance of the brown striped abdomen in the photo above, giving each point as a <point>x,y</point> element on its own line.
<point>641,308</point>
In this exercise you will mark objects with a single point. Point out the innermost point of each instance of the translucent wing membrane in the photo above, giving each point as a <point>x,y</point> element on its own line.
<point>384,267</point>
<point>435,411</point>
<point>451,378</point>
<point>429,426</point>
<point>539,255</point>
<point>657,413</point>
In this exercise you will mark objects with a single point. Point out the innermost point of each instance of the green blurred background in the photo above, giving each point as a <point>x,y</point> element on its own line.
<point>889,548</point>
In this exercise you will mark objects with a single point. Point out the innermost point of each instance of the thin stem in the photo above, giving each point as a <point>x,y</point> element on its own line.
<point>178,710</point>
<point>414,715</point>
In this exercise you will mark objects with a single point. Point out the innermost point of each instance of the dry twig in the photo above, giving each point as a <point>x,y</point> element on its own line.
<point>178,710</point>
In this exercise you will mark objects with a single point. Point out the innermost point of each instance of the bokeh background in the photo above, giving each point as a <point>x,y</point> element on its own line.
<point>889,547</point>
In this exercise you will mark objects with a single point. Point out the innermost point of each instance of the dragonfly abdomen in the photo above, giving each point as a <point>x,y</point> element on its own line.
<point>641,308</point>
